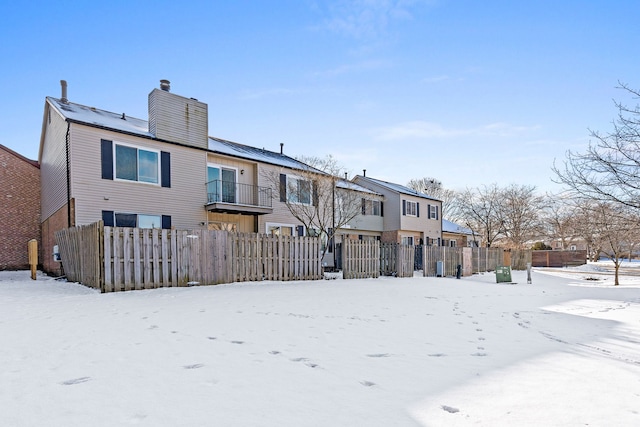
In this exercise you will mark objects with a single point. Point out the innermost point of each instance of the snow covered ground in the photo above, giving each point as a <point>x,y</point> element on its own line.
<point>562,351</point>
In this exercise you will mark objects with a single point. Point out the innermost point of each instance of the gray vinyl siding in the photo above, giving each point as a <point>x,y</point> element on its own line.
<point>268,177</point>
<point>176,118</point>
<point>184,201</point>
<point>406,225</point>
<point>53,163</point>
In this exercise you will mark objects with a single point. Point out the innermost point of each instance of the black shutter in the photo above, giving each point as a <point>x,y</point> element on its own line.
<point>165,169</point>
<point>283,187</point>
<point>166,222</point>
<point>106,156</point>
<point>436,212</point>
<point>314,196</point>
<point>107,218</point>
<point>300,230</point>
<point>417,209</point>
<point>364,206</point>
<point>404,207</point>
<point>428,211</point>
<point>381,208</point>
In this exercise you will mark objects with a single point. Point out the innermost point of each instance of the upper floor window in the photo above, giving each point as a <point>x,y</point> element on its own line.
<point>136,164</point>
<point>131,163</point>
<point>433,211</point>
<point>411,208</point>
<point>371,207</point>
<point>294,189</point>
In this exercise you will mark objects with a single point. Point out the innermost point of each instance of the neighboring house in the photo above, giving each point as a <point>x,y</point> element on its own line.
<point>162,173</point>
<point>366,225</point>
<point>572,244</point>
<point>19,209</point>
<point>410,217</point>
<point>454,235</point>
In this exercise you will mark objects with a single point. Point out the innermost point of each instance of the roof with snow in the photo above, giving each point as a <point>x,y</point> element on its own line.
<point>450,227</point>
<point>348,185</point>
<point>93,116</point>
<point>397,188</point>
<point>120,122</point>
<point>230,148</point>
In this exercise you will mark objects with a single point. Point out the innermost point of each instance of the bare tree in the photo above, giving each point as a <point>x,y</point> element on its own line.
<point>615,226</point>
<point>519,212</point>
<point>317,196</point>
<point>433,188</point>
<point>480,212</point>
<point>558,219</point>
<point>610,168</point>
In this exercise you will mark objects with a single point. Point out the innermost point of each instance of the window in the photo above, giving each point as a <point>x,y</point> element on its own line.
<point>411,208</point>
<point>371,207</point>
<point>407,240</point>
<point>119,219</point>
<point>296,190</point>
<point>149,221</point>
<point>279,229</point>
<point>221,184</point>
<point>136,164</point>
<point>433,211</point>
<point>299,190</point>
<point>130,163</point>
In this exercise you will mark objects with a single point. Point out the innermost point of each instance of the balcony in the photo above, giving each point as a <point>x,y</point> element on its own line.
<point>235,198</point>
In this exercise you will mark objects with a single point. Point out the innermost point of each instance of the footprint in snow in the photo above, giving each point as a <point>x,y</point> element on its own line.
<point>195,366</point>
<point>367,383</point>
<point>379,355</point>
<point>237,342</point>
<point>274,352</point>
<point>76,381</point>
<point>437,355</point>
<point>479,354</point>
<point>450,409</point>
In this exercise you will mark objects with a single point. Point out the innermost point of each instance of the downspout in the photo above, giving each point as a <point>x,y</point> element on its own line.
<point>67,140</point>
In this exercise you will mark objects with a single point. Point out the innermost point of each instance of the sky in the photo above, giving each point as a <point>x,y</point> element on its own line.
<point>470,93</point>
<point>414,352</point>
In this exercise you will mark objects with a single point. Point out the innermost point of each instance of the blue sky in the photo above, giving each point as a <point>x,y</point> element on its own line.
<point>468,92</point>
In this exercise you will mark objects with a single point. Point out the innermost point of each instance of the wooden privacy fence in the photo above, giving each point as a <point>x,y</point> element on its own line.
<point>119,258</point>
<point>558,258</point>
<point>449,257</point>
<point>361,259</point>
<point>365,259</point>
<point>81,250</point>
<point>397,260</point>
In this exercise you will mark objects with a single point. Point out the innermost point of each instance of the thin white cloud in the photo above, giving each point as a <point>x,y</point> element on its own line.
<point>436,79</point>
<point>352,68</point>
<point>365,19</point>
<point>430,130</point>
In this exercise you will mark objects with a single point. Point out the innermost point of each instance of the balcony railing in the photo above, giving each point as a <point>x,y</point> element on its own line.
<point>234,193</point>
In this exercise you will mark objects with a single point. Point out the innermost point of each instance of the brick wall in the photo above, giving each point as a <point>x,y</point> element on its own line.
<point>390,237</point>
<point>19,208</point>
<point>55,222</point>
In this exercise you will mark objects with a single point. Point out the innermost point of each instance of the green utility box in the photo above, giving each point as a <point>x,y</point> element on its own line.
<point>503,274</point>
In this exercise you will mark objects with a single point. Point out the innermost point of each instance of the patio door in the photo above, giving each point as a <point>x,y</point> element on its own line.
<point>221,184</point>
